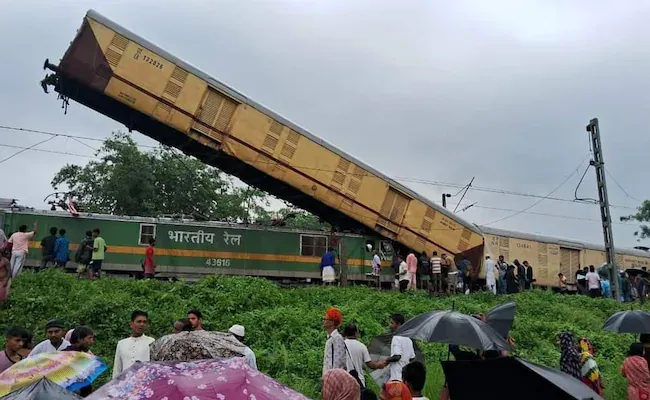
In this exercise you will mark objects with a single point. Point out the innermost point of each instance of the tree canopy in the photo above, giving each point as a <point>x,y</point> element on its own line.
<point>128,181</point>
<point>642,215</point>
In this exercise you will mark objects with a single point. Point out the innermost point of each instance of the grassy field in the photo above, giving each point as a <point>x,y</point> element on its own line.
<point>284,325</point>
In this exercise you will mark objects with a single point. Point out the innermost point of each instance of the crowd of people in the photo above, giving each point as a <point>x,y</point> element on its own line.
<point>19,343</point>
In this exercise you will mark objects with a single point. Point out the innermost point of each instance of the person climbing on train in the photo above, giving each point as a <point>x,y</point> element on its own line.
<point>150,260</point>
<point>328,266</point>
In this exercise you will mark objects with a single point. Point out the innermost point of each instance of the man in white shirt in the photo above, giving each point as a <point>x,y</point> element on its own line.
<point>376,268</point>
<point>334,356</point>
<point>403,276</point>
<point>239,333</point>
<point>593,282</point>
<point>54,342</point>
<point>414,374</point>
<point>401,349</point>
<point>135,347</point>
<point>490,274</point>
<point>357,354</point>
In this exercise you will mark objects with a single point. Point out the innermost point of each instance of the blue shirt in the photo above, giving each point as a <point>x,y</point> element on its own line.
<point>62,249</point>
<point>328,259</point>
<point>606,288</point>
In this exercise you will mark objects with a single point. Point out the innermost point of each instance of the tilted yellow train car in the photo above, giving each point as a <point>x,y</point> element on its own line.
<point>127,78</point>
<point>549,255</point>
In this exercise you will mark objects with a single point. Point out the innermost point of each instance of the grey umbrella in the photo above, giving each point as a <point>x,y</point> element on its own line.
<point>628,322</point>
<point>501,317</point>
<point>43,389</point>
<point>455,328</point>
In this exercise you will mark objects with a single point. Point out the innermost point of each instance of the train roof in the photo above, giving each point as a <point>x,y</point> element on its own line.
<point>245,100</point>
<point>169,221</point>
<point>560,241</point>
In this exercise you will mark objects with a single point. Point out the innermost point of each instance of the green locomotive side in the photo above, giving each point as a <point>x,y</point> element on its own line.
<point>192,249</point>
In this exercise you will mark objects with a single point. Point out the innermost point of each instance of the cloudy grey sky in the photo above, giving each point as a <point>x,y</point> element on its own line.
<point>431,90</point>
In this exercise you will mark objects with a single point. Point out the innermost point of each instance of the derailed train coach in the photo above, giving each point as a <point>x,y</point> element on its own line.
<point>127,78</point>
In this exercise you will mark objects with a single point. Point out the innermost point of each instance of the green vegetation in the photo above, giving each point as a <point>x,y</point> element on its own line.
<point>284,325</point>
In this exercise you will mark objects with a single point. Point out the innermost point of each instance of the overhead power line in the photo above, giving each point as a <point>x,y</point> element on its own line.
<point>620,187</point>
<point>575,171</point>
<point>461,187</point>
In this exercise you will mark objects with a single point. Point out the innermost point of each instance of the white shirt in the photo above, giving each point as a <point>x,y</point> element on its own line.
<point>403,268</point>
<point>436,264</point>
<point>489,270</point>
<point>357,357</point>
<point>401,346</point>
<point>46,347</point>
<point>420,398</point>
<point>249,356</point>
<point>129,351</point>
<point>593,279</point>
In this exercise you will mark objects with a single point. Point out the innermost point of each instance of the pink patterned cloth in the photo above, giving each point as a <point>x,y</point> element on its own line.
<point>197,380</point>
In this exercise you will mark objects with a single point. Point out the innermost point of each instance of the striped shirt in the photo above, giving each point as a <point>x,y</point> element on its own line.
<point>436,267</point>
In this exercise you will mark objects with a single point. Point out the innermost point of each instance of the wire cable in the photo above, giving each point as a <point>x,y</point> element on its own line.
<point>621,187</point>
<point>307,168</point>
<point>575,192</point>
<point>575,171</point>
<point>25,149</point>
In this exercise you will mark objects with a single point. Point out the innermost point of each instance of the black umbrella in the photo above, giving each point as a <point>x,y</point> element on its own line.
<point>501,317</point>
<point>493,379</point>
<point>634,272</point>
<point>452,327</point>
<point>43,389</point>
<point>379,349</point>
<point>636,321</point>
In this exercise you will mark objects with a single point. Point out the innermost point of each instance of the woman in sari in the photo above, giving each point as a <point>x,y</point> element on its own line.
<point>395,390</point>
<point>338,384</point>
<point>589,368</point>
<point>569,358</point>
<point>635,370</point>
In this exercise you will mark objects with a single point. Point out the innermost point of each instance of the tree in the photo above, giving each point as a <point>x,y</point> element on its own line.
<point>642,215</point>
<point>128,181</point>
<point>290,217</point>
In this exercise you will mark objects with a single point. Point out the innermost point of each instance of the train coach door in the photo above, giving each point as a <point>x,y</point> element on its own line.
<point>569,262</point>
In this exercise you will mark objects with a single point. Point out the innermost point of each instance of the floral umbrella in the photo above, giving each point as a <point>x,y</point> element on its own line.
<point>71,370</point>
<point>197,380</point>
<point>195,345</point>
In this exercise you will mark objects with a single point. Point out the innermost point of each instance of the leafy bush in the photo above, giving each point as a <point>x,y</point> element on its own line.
<point>284,325</point>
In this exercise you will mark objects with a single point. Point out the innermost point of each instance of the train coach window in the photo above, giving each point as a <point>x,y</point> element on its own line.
<point>147,231</point>
<point>313,246</point>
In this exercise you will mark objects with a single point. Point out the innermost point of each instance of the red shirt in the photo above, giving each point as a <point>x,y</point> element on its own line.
<point>149,264</point>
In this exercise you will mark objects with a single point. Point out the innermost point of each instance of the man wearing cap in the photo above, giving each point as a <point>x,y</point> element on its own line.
<point>335,346</point>
<point>238,332</point>
<point>54,341</point>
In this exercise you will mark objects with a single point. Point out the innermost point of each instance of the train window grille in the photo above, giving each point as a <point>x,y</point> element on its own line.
<point>147,231</point>
<point>313,245</point>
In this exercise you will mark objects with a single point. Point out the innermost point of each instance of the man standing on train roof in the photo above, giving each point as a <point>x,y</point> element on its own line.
<point>149,260</point>
<point>54,342</point>
<point>327,266</point>
<point>412,265</point>
<point>99,249</point>
<point>196,319</point>
<point>47,249</point>
<point>20,247</point>
<point>239,333</point>
<point>61,250</point>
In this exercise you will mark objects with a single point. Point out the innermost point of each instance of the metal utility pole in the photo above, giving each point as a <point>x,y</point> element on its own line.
<point>606,217</point>
<point>444,199</point>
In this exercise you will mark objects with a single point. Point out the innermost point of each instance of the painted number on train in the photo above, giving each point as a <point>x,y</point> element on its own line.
<point>149,60</point>
<point>217,262</point>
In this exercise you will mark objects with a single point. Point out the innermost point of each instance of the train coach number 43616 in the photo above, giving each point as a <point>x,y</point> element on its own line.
<point>217,262</point>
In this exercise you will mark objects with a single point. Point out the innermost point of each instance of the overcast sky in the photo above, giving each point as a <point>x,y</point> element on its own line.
<point>430,90</point>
